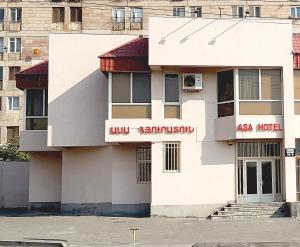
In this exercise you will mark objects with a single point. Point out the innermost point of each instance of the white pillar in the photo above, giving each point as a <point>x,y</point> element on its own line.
<point>289,131</point>
<point>157,107</point>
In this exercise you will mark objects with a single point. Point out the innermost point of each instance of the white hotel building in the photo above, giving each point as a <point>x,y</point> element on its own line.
<point>137,137</point>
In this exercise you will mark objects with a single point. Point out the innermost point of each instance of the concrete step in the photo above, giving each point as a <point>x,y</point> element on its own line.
<point>235,209</point>
<point>275,204</point>
<point>225,217</point>
<point>251,213</point>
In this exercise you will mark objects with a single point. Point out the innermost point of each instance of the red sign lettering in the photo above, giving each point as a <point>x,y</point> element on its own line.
<point>272,127</point>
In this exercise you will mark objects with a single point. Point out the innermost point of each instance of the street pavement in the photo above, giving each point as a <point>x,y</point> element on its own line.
<point>78,231</point>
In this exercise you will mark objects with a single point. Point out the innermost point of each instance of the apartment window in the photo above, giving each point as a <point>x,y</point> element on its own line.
<point>238,11</point>
<point>171,154</point>
<point>36,109</point>
<point>76,14</point>
<point>118,14</point>
<point>143,160</point>
<point>136,14</point>
<point>196,11</point>
<point>1,15</point>
<point>257,12</point>
<point>1,78</point>
<point>15,14</point>
<point>15,45</point>
<point>225,93</point>
<point>260,92</point>
<point>131,95</point>
<point>295,11</point>
<point>172,96</point>
<point>13,71</point>
<point>13,103</point>
<point>12,132</point>
<point>58,14</point>
<point>179,11</point>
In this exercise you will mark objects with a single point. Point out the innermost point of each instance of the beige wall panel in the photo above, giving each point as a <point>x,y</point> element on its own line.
<point>297,107</point>
<point>297,84</point>
<point>86,175</point>
<point>260,108</point>
<point>45,177</point>
<point>172,112</point>
<point>134,111</point>
<point>36,18</point>
<point>31,43</point>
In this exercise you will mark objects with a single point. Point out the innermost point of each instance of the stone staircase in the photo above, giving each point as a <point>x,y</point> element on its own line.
<point>252,211</point>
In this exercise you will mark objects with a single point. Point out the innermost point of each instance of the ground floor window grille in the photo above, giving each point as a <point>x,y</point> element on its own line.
<point>298,178</point>
<point>143,159</point>
<point>171,156</point>
<point>258,149</point>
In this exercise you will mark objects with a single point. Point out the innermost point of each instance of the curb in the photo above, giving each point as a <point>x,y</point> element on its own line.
<point>33,243</point>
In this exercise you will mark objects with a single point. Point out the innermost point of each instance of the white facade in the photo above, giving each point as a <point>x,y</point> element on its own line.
<point>100,168</point>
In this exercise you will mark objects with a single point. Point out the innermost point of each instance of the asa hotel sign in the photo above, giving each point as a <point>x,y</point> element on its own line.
<point>272,127</point>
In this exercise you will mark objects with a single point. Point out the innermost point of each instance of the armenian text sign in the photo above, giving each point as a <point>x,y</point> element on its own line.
<point>153,130</point>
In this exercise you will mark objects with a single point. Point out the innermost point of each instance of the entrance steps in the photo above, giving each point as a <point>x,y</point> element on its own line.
<point>252,211</point>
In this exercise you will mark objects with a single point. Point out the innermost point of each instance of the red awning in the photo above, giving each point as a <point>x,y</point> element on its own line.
<point>132,56</point>
<point>296,50</point>
<point>33,77</point>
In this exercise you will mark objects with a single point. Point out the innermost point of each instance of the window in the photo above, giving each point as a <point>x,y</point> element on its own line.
<point>1,78</point>
<point>179,11</point>
<point>131,95</point>
<point>118,14</point>
<point>257,12</point>
<point>196,11</point>
<point>76,14</point>
<point>171,156</point>
<point>14,44</point>
<point>249,84</point>
<point>225,93</point>
<point>1,15</point>
<point>143,160</point>
<point>172,96</point>
<point>15,14</point>
<point>12,72</point>
<point>258,149</point>
<point>36,109</point>
<point>12,132</point>
<point>238,11</point>
<point>295,11</point>
<point>136,15</point>
<point>260,92</point>
<point>58,14</point>
<point>13,103</point>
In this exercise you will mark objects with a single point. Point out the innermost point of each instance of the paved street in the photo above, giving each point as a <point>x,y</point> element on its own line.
<point>109,231</point>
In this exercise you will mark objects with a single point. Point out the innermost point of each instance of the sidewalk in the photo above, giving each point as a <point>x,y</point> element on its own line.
<point>158,232</point>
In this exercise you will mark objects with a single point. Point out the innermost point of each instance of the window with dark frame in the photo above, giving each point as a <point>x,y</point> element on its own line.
<point>172,96</point>
<point>13,70</point>
<point>76,14</point>
<point>58,14</point>
<point>171,152</point>
<point>14,45</point>
<point>15,14</point>
<point>179,11</point>
<point>143,160</point>
<point>225,86</point>
<point>196,11</point>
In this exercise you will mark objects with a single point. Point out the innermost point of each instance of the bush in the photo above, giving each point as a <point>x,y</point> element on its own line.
<point>10,151</point>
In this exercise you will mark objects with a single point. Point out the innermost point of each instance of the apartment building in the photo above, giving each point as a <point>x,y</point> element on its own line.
<point>161,128</point>
<point>26,25</point>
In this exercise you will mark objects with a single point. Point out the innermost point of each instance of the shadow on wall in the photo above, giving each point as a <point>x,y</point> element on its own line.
<point>77,117</point>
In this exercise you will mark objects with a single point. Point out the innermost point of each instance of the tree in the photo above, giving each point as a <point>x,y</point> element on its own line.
<point>10,151</point>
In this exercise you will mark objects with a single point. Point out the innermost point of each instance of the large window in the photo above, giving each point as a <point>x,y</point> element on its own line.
<point>118,14</point>
<point>260,91</point>
<point>295,11</point>
<point>1,15</point>
<point>131,95</point>
<point>12,72</point>
<point>136,15</point>
<point>15,14</point>
<point>58,14</point>
<point>179,11</point>
<point>225,93</point>
<point>36,109</point>
<point>172,96</point>
<point>143,160</point>
<point>15,45</point>
<point>13,103</point>
<point>76,14</point>
<point>196,11</point>
<point>238,11</point>
<point>171,151</point>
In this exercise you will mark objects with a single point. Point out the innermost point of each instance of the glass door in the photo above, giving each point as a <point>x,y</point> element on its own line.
<point>251,170</point>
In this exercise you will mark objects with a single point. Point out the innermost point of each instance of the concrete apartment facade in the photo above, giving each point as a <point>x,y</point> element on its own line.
<point>126,137</point>
<point>25,27</point>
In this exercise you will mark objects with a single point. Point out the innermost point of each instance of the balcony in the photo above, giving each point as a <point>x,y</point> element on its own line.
<point>136,24</point>
<point>13,56</point>
<point>118,25</point>
<point>15,26</point>
<point>34,141</point>
<point>58,26</point>
<point>75,26</point>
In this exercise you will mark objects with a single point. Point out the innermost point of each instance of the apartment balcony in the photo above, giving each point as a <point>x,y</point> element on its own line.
<point>15,26</point>
<point>58,26</point>
<point>13,56</point>
<point>136,24</point>
<point>34,141</point>
<point>75,26</point>
<point>249,127</point>
<point>118,25</point>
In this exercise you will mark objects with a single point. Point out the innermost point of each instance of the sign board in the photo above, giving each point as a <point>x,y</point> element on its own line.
<point>290,152</point>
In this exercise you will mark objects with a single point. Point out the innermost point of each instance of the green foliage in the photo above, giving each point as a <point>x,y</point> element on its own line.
<point>10,151</point>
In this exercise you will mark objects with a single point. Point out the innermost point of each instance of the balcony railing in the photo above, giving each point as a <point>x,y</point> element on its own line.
<point>136,24</point>
<point>118,24</point>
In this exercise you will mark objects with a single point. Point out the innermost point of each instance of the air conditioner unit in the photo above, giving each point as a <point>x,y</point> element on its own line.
<point>192,82</point>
